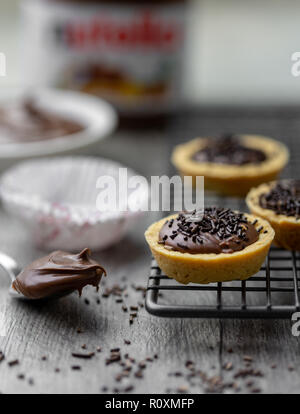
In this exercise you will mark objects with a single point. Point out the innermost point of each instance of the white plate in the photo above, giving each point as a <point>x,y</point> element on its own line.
<point>98,117</point>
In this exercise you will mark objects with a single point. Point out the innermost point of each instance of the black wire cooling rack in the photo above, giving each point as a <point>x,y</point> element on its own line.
<point>272,293</point>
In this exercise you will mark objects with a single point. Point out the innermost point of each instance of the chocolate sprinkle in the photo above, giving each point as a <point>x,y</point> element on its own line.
<point>283,198</point>
<point>83,356</point>
<point>13,362</point>
<point>215,230</point>
<point>229,149</point>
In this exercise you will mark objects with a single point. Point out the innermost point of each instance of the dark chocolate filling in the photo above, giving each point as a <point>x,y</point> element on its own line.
<point>228,149</point>
<point>57,274</point>
<point>216,230</point>
<point>283,198</point>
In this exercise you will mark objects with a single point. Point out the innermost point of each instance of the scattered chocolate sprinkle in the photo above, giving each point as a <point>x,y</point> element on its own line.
<point>175,374</point>
<point>114,357</point>
<point>190,365</point>
<point>118,377</point>
<point>139,374</point>
<point>129,388</point>
<point>76,367</point>
<point>243,373</point>
<point>13,363</point>
<point>115,290</point>
<point>83,356</point>
<point>142,365</point>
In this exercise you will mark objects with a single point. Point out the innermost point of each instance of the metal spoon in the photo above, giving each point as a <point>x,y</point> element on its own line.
<point>11,267</point>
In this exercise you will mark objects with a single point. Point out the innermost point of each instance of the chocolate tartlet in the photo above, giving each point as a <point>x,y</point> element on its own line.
<point>231,164</point>
<point>279,203</point>
<point>57,274</point>
<point>212,246</point>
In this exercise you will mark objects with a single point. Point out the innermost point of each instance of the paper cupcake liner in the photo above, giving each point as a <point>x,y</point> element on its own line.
<point>56,199</point>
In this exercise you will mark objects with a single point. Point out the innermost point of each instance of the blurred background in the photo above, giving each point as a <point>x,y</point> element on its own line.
<point>237,53</point>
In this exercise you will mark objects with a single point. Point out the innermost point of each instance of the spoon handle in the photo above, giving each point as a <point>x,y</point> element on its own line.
<point>9,265</point>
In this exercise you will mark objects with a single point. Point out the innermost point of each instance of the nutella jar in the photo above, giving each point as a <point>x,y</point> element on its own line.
<point>130,52</point>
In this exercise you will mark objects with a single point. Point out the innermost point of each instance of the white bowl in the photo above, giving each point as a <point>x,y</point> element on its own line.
<point>97,116</point>
<point>56,200</point>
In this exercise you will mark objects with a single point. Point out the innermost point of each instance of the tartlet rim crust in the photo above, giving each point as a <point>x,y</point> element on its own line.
<point>182,158</point>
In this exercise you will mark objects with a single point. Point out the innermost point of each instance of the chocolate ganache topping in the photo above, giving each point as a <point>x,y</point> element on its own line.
<point>57,274</point>
<point>283,198</point>
<point>228,149</point>
<point>216,230</point>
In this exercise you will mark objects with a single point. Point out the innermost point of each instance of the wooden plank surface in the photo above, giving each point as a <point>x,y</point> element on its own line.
<point>42,337</point>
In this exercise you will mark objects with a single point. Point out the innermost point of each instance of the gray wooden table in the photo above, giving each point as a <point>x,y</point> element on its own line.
<point>164,355</point>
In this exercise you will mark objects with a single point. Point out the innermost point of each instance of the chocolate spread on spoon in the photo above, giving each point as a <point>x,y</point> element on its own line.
<point>57,274</point>
<point>217,230</point>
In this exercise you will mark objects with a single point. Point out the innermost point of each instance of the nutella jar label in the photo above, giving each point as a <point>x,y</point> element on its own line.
<point>130,54</point>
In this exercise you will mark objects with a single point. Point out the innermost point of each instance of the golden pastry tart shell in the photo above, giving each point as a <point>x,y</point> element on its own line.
<point>211,267</point>
<point>232,179</point>
<point>287,229</point>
